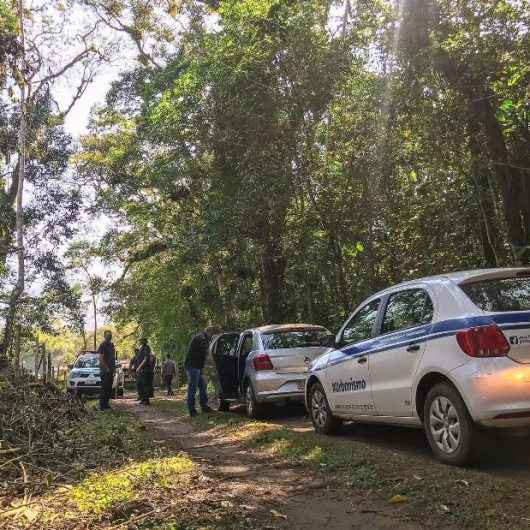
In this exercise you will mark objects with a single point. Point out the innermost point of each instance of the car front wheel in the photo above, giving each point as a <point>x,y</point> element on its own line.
<point>449,428</point>
<point>323,420</point>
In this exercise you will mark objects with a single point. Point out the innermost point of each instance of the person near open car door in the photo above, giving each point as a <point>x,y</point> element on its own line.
<point>145,372</point>
<point>194,364</point>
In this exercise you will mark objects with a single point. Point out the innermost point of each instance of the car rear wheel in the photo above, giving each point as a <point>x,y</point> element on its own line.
<point>448,426</point>
<point>255,410</point>
<point>323,420</point>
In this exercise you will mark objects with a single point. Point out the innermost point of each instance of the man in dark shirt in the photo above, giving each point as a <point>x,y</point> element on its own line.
<point>194,364</point>
<point>145,372</point>
<point>107,363</point>
<point>169,370</point>
<point>133,365</point>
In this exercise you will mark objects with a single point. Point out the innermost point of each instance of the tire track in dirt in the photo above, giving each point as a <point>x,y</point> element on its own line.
<point>267,491</point>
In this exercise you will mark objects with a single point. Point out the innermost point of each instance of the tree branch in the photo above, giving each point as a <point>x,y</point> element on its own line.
<point>151,250</point>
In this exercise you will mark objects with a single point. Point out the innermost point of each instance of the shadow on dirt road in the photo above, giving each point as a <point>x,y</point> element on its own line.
<point>501,453</point>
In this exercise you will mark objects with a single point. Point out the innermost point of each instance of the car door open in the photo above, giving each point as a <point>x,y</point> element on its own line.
<point>225,359</point>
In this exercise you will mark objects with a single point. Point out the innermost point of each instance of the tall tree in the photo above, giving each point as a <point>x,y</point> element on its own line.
<point>32,142</point>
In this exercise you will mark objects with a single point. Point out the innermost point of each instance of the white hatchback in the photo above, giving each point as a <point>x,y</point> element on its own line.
<point>450,353</point>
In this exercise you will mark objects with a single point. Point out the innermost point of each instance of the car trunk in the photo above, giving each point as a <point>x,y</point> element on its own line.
<point>294,360</point>
<point>505,297</point>
<point>517,334</point>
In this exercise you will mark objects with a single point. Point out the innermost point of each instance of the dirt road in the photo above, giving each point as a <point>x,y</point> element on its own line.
<point>277,490</point>
<point>273,493</point>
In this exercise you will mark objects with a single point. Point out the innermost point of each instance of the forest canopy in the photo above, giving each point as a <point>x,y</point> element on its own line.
<point>278,160</point>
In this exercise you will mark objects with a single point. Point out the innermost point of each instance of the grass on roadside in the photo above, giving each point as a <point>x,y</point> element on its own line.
<point>99,493</point>
<point>114,474</point>
<point>443,495</point>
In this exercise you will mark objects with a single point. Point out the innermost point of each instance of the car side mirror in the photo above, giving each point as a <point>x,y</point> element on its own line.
<point>70,366</point>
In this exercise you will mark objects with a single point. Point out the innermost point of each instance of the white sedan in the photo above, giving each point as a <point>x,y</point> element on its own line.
<point>450,353</point>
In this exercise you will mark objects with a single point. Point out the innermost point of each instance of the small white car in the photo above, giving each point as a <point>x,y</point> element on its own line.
<point>449,353</point>
<point>84,376</point>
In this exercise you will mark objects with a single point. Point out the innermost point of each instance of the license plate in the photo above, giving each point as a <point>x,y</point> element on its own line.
<point>92,382</point>
<point>300,385</point>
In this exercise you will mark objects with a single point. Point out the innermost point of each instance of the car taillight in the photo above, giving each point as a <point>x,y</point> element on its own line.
<point>483,341</point>
<point>262,361</point>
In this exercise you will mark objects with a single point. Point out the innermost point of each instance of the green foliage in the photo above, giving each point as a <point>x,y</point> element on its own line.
<point>277,168</point>
<point>102,492</point>
<point>8,19</point>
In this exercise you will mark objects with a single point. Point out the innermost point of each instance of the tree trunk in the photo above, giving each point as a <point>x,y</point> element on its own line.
<point>95,309</point>
<point>44,363</point>
<point>17,349</point>
<point>273,266</point>
<point>491,244</point>
<point>19,287</point>
<point>512,184</point>
<point>509,178</point>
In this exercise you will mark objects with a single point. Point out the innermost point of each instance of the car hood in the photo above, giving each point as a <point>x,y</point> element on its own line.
<point>81,371</point>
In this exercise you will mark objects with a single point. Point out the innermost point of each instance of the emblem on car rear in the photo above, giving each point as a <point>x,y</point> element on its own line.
<point>514,339</point>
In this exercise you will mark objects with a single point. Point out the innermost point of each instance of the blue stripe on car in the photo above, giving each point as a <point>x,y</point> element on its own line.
<point>425,333</point>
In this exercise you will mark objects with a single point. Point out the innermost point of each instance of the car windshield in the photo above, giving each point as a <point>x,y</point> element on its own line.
<point>300,338</point>
<point>87,361</point>
<point>500,294</point>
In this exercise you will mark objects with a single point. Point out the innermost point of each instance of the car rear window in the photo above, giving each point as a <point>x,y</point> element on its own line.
<point>500,294</point>
<point>300,338</point>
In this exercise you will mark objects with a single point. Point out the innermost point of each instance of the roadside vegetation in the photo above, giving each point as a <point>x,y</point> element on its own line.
<point>420,488</point>
<point>254,161</point>
<point>87,470</point>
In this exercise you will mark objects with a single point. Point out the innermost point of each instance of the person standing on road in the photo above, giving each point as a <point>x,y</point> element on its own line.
<point>145,372</point>
<point>194,364</point>
<point>107,363</point>
<point>133,366</point>
<point>169,369</point>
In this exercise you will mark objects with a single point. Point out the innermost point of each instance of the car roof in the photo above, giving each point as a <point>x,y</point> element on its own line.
<point>461,277</point>
<point>271,328</point>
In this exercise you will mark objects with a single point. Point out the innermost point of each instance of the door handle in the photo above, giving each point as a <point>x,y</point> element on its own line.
<point>361,360</point>
<point>413,347</point>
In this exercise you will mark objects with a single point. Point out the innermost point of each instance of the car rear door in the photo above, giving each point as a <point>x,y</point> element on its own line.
<point>225,360</point>
<point>399,348</point>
